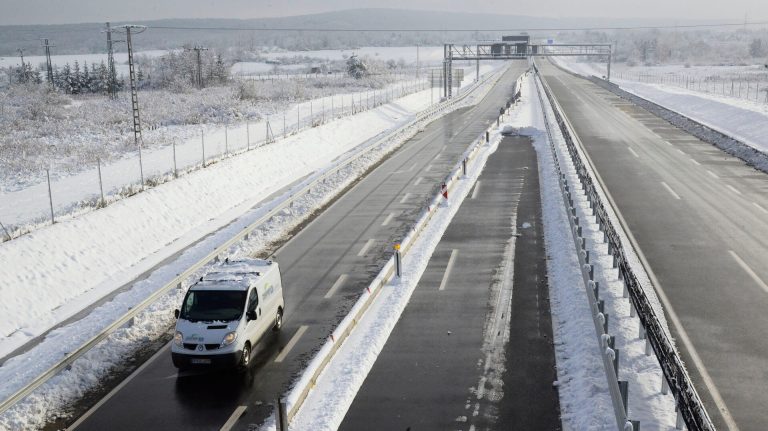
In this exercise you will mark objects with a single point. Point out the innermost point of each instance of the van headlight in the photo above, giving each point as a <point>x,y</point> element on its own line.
<point>229,339</point>
<point>178,338</point>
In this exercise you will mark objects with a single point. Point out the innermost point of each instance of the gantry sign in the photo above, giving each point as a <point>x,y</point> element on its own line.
<point>515,48</point>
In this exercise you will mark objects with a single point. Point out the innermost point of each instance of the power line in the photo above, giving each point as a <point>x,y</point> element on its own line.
<point>462,30</point>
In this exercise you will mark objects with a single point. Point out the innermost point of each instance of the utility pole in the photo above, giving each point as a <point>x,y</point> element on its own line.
<point>49,65</point>
<point>112,78</point>
<point>197,49</point>
<point>23,74</point>
<point>134,93</point>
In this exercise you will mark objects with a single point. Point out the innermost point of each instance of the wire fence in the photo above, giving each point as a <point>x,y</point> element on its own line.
<point>68,196</point>
<point>752,87</point>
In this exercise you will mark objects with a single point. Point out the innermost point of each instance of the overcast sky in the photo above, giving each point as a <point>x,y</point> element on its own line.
<point>72,11</point>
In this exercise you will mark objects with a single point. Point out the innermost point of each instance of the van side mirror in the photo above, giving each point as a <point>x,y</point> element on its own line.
<point>251,315</point>
<point>176,313</point>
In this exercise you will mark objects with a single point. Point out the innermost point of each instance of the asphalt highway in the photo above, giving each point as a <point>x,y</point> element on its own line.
<point>700,219</point>
<point>325,267</point>
<point>473,348</point>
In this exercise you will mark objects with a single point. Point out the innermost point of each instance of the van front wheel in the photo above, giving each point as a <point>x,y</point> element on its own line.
<point>245,358</point>
<point>278,320</point>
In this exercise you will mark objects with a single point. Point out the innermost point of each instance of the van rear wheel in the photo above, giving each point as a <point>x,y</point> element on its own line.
<point>278,320</point>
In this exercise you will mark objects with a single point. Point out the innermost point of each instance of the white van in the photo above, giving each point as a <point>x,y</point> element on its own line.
<point>227,312</point>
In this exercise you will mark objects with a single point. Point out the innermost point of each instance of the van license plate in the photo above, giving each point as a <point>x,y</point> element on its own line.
<point>200,361</point>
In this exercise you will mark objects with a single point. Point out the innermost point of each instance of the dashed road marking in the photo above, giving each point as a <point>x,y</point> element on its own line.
<point>695,162</point>
<point>428,168</point>
<point>295,339</point>
<point>339,282</point>
<point>365,248</point>
<point>388,219</point>
<point>405,198</point>
<point>237,414</point>
<point>712,174</point>
<point>733,189</point>
<point>418,180</point>
<point>749,270</point>
<point>633,152</point>
<point>474,191</point>
<point>448,268</point>
<point>680,151</point>
<point>669,189</point>
<point>758,206</point>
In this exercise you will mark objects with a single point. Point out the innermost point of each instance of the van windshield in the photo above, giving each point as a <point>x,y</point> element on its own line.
<point>209,305</point>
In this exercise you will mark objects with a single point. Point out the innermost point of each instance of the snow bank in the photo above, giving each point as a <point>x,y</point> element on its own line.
<point>52,273</point>
<point>87,372</point>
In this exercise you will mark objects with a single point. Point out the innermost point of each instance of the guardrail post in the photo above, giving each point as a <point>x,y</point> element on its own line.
<point>624,390</point>
<point>487,137</point>
<point>615,359</point>
<point>398,261</point>
<point>464,167</point>
<point>679,423</point>
<point>665,387</point>
<point>641,332</point>
<point>281,415</point>
<point>648,349</point>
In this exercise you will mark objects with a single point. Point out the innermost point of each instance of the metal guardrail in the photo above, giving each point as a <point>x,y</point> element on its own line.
<point>301,390</point>
<point>688,403</point>
<point>214,255</point>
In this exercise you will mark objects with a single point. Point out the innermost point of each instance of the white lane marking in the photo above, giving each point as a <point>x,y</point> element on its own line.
<point>712,174</point>
<point>760,207</point>
<point>117,389</point>
<point>418,180</point>
<point>428,168</point>
<point>665,141</point>
<point>388,219</point>
<point>669,189</point>
<point>405,198</point>
<point>413,166</point>
<point>365,248</point>
<point>686,340</point>
<point>342,278</point>
<point>633,152</point>
<point>291,343</point>
<point>448,268</point>
<point>237,414</point>
<point>749,271</point>
<point>733,189</point>
<point>680,151</point>
<point>694,161</point>
<point>474,191</point>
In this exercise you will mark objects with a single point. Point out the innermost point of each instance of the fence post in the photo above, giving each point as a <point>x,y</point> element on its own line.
<point>175,170</point>
<point>298,118</point>
<point>50,195</point>
<point>248,135</point>
<point>6,232</point>
<point>226,140</point>
<point>202,141</point>
<point>101,184</point>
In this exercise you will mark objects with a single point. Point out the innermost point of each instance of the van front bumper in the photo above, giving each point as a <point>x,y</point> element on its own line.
<point>223,360</point>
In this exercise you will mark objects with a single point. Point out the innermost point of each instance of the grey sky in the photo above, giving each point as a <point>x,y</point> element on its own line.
<point>71,11</point>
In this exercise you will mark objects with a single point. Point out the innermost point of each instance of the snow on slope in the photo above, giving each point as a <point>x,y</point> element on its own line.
<point>52,273</point>
<point>88,371</point>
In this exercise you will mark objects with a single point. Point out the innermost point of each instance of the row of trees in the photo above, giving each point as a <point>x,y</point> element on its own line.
<point>176,70</point>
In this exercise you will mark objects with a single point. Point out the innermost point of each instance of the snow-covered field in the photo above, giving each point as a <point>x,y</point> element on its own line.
<point>426,54</point>
<point>744,120</point>
<point>92,255</point>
